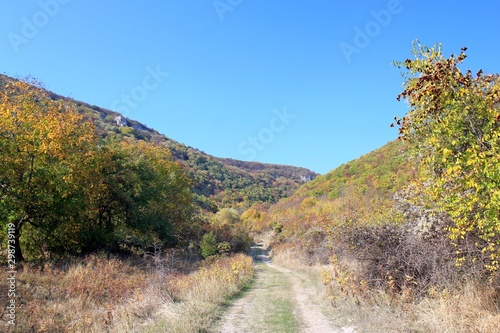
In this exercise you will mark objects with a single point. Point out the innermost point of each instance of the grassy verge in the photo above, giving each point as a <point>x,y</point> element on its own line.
<point>109,295</point>
<point>471,307</point>
<point>198,297</point>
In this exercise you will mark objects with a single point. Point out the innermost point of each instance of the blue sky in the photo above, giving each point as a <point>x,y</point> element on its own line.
<point>305,83</point>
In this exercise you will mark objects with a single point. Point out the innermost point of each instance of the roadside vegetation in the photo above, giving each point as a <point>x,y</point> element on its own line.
<point>408,234</point>
<point>168,293</point>
<point>105,232</point>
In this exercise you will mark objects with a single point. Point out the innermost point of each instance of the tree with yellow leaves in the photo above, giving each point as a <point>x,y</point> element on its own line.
<point>453,126</point>
<point>46,152</point>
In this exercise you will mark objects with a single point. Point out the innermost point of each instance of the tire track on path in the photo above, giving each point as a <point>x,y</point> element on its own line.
<point>279,301</point>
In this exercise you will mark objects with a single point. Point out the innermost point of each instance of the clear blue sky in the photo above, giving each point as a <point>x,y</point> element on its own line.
<point>287,82</point>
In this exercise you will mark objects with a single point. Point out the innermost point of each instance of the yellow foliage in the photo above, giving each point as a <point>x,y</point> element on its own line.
<point>453,129</point>
<point>254,219</point>
<point>47,151</point>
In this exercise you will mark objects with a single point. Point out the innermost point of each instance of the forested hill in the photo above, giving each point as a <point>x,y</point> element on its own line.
<point>384,170</point>
<point>217,182</point>
<point>359,191</point>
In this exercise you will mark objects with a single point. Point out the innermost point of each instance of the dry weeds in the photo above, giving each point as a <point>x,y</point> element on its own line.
<point>111,295</point>
<point>470,307</point>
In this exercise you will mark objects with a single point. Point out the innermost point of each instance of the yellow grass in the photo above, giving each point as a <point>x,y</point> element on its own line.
<point>199,296</point>
<point>474,307</point>
<point>109,295</point>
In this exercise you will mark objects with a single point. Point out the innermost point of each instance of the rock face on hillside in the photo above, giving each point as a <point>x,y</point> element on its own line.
<point>121,120</point>
<point>307,178</point>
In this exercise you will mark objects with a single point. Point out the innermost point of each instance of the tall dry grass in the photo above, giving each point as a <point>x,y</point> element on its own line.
<point>197,298</point>
<point>472,308</point>
<point>110,295</point>
<point>469,306</point>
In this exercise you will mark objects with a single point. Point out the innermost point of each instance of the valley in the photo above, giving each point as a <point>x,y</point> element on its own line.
<point>110,226</point>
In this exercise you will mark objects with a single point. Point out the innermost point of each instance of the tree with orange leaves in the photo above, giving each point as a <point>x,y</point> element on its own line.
<point>46,152</point>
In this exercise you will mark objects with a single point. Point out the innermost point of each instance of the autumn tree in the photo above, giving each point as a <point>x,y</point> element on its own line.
<point>228,227</point>
<point>253,218</point>
<point>45,152</point>
<point>453,126</point>
<point>67,192</point>
<point>145,197</point>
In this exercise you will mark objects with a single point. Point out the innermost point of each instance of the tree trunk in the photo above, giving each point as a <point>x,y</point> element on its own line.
<point>17,245</point>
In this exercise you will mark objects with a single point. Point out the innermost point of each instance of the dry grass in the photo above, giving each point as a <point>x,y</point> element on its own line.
<point>345,302</point>
<point>472,307</point>
<point>76,297</point>
<point>198,297</point>
<point>475,308</point>
<point>286,255</point>
<point>110,295</point>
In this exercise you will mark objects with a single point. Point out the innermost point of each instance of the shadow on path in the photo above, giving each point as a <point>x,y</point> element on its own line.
<point>259,254</point>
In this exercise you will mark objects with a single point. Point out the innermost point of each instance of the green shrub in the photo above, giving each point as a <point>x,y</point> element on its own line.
<point>208,245</point>
<point>223,248</point>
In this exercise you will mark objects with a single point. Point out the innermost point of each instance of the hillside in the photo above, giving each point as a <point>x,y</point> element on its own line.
<point>217,182</point>
<point>384,169</point>
<point>359,191</point>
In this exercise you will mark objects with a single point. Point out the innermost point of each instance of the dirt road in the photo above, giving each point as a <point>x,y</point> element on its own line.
<point>280,300</point>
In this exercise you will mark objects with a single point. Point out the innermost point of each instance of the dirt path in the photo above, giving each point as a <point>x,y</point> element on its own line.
<point>280,300</point>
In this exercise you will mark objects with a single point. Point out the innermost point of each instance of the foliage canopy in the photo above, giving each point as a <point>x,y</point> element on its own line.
<point>62,190</point>
<point>453,126</point>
